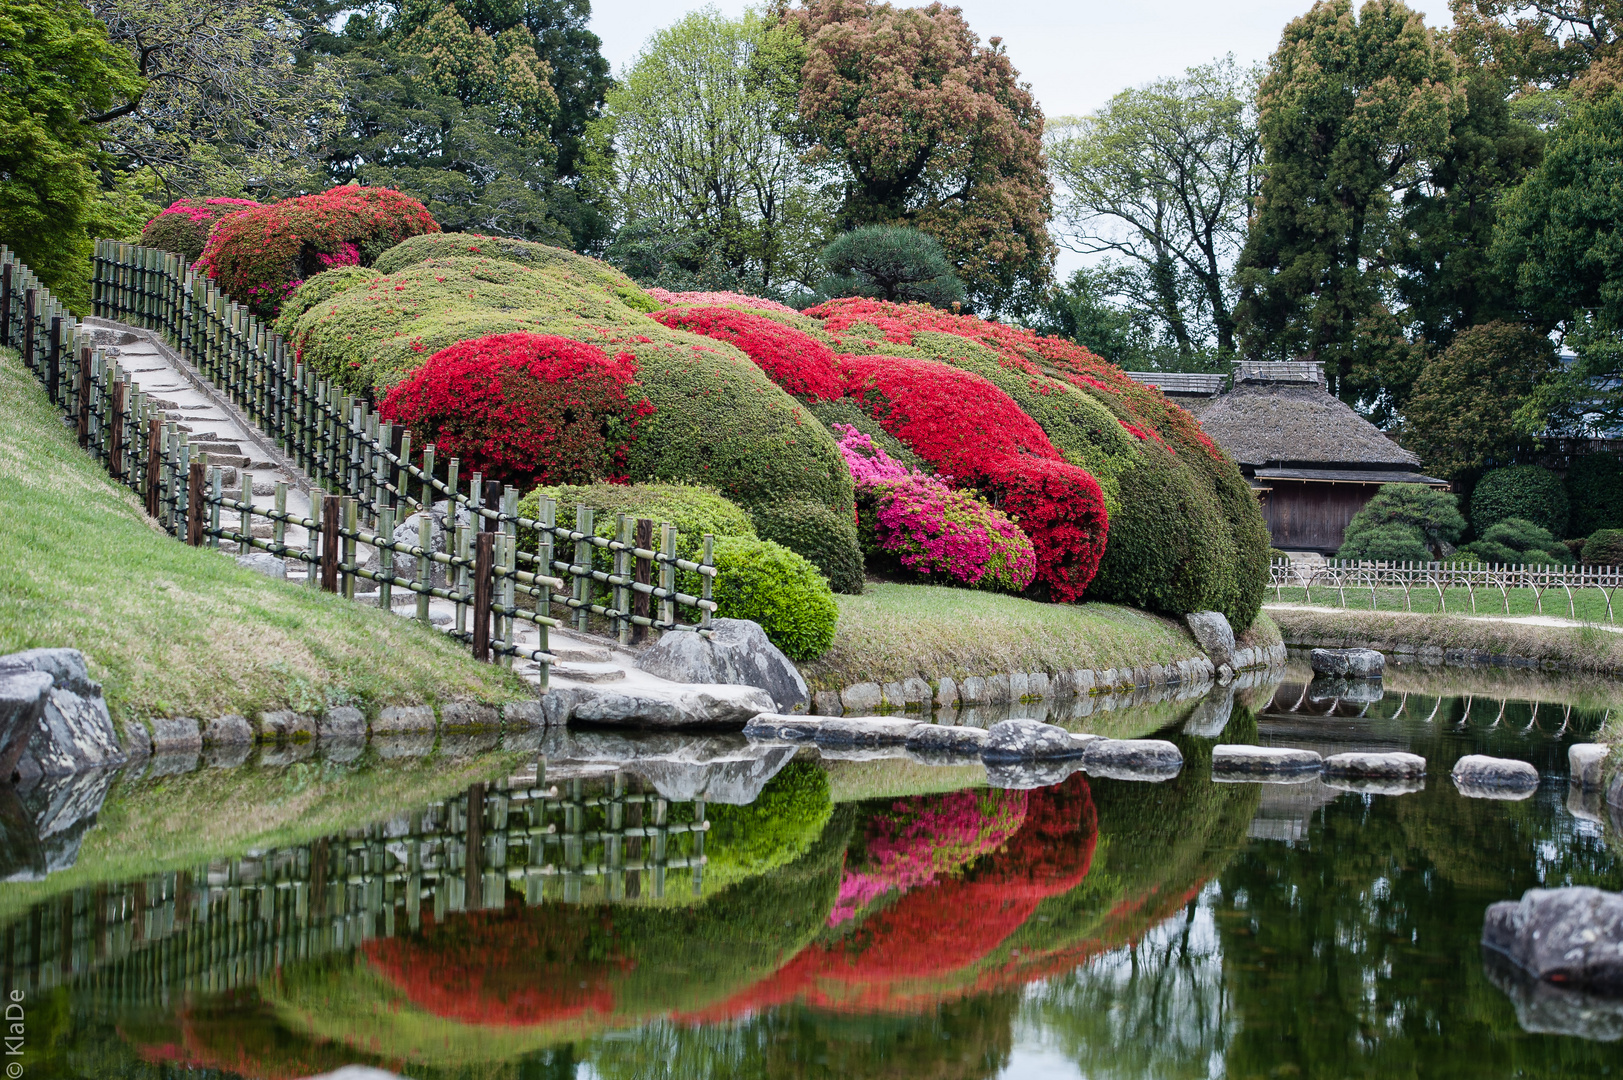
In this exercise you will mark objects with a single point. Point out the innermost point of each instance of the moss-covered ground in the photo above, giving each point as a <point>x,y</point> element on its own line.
<point>172,630</point>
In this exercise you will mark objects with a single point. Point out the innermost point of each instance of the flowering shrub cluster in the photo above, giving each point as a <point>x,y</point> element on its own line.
<point>718,299</point>
<point>930,528</point>
<point>963,425</point>
<point>183,226</point>
<point>262,254</point>
<point>794,360</point>
<point>526,409</point>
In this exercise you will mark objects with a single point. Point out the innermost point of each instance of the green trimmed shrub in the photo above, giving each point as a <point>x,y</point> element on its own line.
<point>1604,547</point>
<point>1431,515</point>
<point>825,537</point>
<point>1516,540</point>
<point>846,411</point>
<point>455,245</point>
<point>776,829</point>
<point>1595,493</point>
<point>694,510</point>
<point>1392,541</point>
<point>183,227</point>
<point>890,262</point>
<point>1519,491</point>
<point>1169,548</point>
<point>771,585</point>
<point>1250,572</point>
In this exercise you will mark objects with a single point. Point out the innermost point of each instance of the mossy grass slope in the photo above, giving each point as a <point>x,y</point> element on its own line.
<point>172,630</point>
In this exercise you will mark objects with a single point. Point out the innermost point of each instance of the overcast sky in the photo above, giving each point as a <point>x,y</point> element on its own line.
<point>1074,54</point>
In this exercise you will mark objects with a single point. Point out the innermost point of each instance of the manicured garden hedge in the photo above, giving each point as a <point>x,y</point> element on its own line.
<point>183,226</point>
<point>794,360</point>
<point>1595,493</point>
<point>1519,491</point>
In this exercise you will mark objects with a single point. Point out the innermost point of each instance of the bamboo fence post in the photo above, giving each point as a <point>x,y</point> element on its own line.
<point>386,558</point>
<point>318,507</point>
<point>402,478</point>
<point>425,568</point>
<point>483,565</point>
<point>427,493</point>
<point>667,573</point>
<point>6,271</point>
<point>582,568</point>
<point>459,578</point>
<point>640,603</point>
<point>194,504</point>
<point>350,514</point>
<point>216,493</point>
<point>245,514</point>
<point>452,467</point>
<point>622,571</point>
<point>548,510</point>
<point>705,580</point>
<point>331,515</point>
<point>509,524</point>
<point>278,524</point>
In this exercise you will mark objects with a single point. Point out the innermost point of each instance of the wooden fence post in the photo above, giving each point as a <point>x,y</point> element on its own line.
<point>28,328</point>
<point>331,508</point>
<point>85,356</point>
<point>6,272</point>
<point>115,445</point>
<point>154,477</point>
<point>641,602</point>
<point>484,561</point>
<point>194,504</point>
<point>53,360</point>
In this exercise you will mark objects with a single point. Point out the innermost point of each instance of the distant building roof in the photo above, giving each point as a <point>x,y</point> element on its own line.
<point>1181,383</point>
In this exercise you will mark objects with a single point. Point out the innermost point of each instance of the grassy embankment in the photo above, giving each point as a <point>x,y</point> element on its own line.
<point>893,632</point>
<point>172,630</point>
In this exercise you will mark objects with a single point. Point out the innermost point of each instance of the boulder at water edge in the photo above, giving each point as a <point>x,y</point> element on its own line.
<point>737,653</point>
<point>69,733</point>
<point>1571,936</point>
<point>1213,634</point>
<point>948,739</point>
<point>1351,663</point>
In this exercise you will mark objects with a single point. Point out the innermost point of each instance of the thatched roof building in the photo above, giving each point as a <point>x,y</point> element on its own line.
<point>1313,460</point>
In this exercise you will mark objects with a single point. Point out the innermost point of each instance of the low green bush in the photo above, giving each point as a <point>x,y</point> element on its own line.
<point>1433,515</point>
<point>827,538</point>
<point>1250,573</point>
<point>1516,540</point>
<point>1527,492</point>
<point>1169,548</point>
<point>1604,547</point>
<point>767,583</point>
<point>1595,493</point>
<point>693,509</point>
<point>1392,541</point>
<point>447,245</point>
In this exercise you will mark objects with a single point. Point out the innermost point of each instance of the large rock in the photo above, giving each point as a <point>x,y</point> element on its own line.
<point>71,733</point>
<point>947,740</point>
<point>1585,762</point>
<point>1029,740</point>
<point>1571,936</point>
<point>1480,776</point>
<point>23,695</point>
<point>406,532</point>
<point>665,705</point>
<point>1214,635</point>
<point>1264,761</point>
<point>737,653</point>
<point>1132,759</point>
<point>263,562</point>
<point>1393,766</point>
<point>1352,663</point>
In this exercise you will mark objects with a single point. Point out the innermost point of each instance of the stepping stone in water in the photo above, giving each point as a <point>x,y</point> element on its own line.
<point>1481,777</point>
<point>1263,762</point>
<point>1393,766</point>
<point>1132,759</point>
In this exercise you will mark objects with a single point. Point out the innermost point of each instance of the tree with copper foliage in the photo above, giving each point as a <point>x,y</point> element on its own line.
<point>1551,46</point>
<point>934,130</point>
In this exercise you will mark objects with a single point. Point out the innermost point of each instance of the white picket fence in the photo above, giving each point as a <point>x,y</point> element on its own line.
<point>1336,579</point>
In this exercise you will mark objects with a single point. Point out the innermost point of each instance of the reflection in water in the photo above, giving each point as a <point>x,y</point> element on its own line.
<point>586,923</point>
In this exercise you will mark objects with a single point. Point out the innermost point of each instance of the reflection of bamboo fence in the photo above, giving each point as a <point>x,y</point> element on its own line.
<point>1337,578</point>
<point>226,925</point>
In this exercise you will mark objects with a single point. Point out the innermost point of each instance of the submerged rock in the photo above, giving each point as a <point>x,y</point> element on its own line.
<point>1393,766</point>
<point>1329,688</point>
<point>1572,936</point>
<point>737,653</point>
<point>1352,663</point>
<point>1030,740</point>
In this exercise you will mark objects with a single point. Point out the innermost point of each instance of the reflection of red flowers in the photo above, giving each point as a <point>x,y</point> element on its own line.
<point>897,958</point>
<point>794,360</point>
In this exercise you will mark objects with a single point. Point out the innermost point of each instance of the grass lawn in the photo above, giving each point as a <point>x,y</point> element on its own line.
<point>172,630</point>
<point>1588,605</point>
<point>895,631</point>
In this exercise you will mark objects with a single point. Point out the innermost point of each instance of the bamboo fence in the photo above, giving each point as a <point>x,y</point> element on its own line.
<point>226,925</point>
<point>365,476</point>
<point>1494,582</point>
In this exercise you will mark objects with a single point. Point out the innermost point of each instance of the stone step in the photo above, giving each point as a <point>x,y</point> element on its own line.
<point>226,461</point>
<point>574,655</point>
<point>588,673</point>
<point>214,446</point>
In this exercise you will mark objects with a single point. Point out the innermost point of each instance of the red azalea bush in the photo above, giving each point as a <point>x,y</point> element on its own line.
<point>966,427</point>
<point>259,256</point>
<point>796,361</point>
<point>717,299</point>
<point>183,226</point>
<point>526,409</point>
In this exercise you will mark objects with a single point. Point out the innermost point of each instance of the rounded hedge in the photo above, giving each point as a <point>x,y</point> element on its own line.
<point>825,536</point>
<point>1520,491</point>
<point>767,583</point>
<point>183,226</point>
<point>1517,540</point>
<point>1604,548</point>
<point>261,255</point>
<point>793,359</point>
<point>456,245</point>
<point>1392,541</point>
<point>524,409</point>
<point>1595,494</point>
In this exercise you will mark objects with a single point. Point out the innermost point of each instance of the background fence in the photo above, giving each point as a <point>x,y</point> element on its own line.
<point>364,474</point>
<point>1579,592</point>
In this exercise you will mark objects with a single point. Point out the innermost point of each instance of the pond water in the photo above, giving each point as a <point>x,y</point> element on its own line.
<point>693,907</point>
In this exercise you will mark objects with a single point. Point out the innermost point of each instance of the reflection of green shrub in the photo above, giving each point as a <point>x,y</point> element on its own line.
<point>777,828</point>
<point>1515,540</point>
<point>1520,491</point>
<point>1604,547</point>
<point>1595,493</point>
<point>769,584</point>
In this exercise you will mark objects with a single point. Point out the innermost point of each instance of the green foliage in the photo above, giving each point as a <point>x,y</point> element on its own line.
<point>1517,540</point>
<point>1414,510</point>
<point>456,245</point>
<point>58,67</point>
<point>1169,547</point>
<point>825,536</point>
<point>774,830</point>
<point>1391,541</point>
<point>1462,412</point>
<point>767,583</point>
<point>1351,102</point>
<point>1081,310</point>
<point>1604,547</point>
<point>1595,493</point>
<point>1519,491</point>
<point>847,411</point>
<point>694,510</point>
<point>890,262</point>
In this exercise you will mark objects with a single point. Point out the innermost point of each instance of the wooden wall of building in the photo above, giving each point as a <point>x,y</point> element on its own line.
<point>1312,516</point>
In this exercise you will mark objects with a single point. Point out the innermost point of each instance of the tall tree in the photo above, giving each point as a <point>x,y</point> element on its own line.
<point>931,129</point>
<point>1350,112</point>
<point>695,123</point>
<point>58,67</point>
<point>1545,45</point>
<point>1162,178</point>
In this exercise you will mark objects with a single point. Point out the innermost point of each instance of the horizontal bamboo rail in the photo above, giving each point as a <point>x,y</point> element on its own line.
<point>1437,578</point>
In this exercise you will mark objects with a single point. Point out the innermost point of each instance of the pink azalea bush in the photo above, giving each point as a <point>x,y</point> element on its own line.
<point>929,527</point>
<point>922,838</point>
<point>717,299</point>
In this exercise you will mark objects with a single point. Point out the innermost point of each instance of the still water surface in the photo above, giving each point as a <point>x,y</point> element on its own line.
<point>718,910</point>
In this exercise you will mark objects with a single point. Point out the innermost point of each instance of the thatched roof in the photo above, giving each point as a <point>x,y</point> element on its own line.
<point>1261,423</point>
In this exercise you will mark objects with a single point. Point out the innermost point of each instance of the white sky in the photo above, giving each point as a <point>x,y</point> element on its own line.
<point>1075,55</point>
